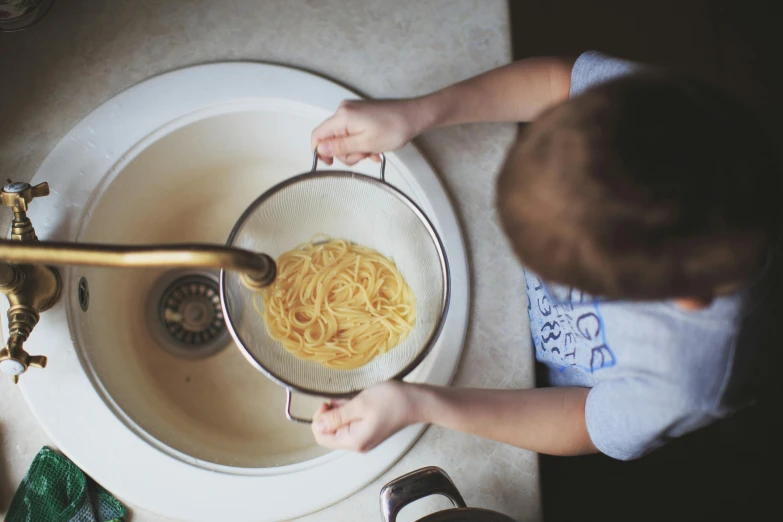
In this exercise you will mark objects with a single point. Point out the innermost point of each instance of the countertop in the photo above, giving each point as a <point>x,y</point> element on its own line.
<point>84,52</point>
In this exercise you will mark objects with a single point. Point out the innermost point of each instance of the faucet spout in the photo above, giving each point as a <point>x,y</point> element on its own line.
<point>33,285</point>
<point>258,270</point>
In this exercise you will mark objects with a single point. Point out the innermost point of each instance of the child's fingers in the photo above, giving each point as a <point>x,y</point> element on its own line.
<point>336,417</point>
<point>322,409</point>
<point>343,438</point>
<point>352,159</point>
<point>347,438</point>
<point>342,146</point>
<point>330,128</point>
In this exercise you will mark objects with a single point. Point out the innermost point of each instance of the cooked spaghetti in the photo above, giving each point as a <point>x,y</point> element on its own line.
<point>338,304</point>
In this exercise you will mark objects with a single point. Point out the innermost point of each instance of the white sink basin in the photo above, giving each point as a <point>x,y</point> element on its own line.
<point>189,186</point>
<point>177,159</point>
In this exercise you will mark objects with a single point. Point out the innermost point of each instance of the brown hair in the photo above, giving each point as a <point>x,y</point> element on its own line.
<point>646,187</point>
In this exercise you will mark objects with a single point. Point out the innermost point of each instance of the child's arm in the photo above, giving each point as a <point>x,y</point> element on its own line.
<point>546,420</point>
<point>515,92</point>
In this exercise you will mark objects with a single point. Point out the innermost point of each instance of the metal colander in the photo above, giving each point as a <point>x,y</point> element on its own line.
<point>364,210</point>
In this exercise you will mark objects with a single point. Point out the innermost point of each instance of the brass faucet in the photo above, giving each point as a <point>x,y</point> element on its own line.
<point>33,286</point>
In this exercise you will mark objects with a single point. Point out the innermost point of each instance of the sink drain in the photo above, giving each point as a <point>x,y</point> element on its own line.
<point>188,319</point>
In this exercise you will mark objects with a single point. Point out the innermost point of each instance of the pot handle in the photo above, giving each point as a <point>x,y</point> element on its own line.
<point>289,415</point>
<point>383,165</point>
<point>416,485</point>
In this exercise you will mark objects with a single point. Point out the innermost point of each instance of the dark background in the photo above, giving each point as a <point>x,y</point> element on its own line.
<point>730,470</point>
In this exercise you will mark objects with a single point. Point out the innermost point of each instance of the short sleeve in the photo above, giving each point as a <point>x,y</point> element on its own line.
<point>593,68</point>
<point>627,418</point>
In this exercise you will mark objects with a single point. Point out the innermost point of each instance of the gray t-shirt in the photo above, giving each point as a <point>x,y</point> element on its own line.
<point>656,371</point>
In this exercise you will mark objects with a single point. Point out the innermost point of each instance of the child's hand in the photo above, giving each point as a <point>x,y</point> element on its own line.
<point>546,420</point>
<point>366,420</point>
<point>362,129</point>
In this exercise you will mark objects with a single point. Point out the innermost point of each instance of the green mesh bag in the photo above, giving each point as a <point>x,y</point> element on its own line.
<point>55,490</point>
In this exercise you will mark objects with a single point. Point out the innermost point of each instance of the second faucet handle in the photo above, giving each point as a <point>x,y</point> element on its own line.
<point>18,194</point>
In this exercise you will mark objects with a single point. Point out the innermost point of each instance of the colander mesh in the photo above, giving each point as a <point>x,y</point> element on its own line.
<point>362,210</point>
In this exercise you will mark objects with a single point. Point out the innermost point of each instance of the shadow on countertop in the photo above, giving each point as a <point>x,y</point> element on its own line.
<point>734,45</point>
<point>728,471</point>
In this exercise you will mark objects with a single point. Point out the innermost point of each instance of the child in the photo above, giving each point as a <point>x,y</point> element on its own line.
<point>643,209</point>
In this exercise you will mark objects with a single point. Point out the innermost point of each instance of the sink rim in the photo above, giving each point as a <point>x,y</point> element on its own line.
<point>63,392</point>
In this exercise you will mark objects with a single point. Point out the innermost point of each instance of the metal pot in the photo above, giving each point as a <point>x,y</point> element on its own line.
<point>432,481</point>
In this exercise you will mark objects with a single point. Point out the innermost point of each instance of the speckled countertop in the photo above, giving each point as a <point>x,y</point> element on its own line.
<point>84,52</point>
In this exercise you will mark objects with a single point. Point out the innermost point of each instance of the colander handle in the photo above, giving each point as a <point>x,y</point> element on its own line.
<point>383,165</point>
<point>289,415</point>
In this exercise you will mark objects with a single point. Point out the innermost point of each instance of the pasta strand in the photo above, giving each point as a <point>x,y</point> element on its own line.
<point>337,303</point>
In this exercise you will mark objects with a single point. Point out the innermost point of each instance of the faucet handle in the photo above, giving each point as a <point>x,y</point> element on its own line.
<point>18,194</point>
<point>15,361</point>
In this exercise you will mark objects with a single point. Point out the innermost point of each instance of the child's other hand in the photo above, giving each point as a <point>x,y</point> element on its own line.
<point>366,420</point>
<point>362,129</point>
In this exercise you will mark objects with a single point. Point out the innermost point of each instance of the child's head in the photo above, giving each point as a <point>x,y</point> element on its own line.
<point>648,187</point>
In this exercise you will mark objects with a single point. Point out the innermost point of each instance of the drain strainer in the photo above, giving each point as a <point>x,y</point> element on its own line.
<point>188,316</point>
